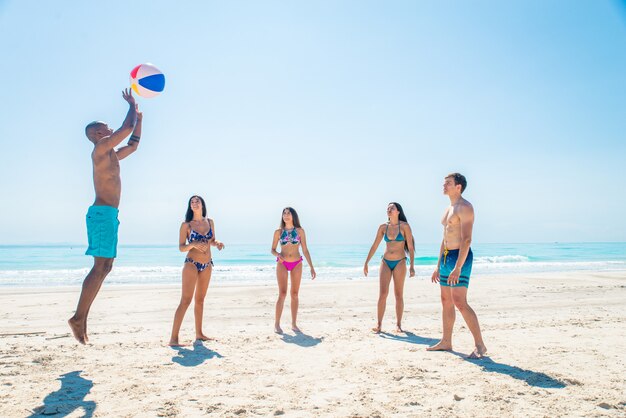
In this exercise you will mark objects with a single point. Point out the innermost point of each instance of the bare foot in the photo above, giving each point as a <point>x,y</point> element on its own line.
<point>399,329</point>
<point>295,329</point>
<point>174,343</point>
<point>203,337</point>
<point>376,329</point>
<point>278,329</point>
<point>479,352</point>
<point>85,334</point>
<point>440,346</point>
<point>77,329</point>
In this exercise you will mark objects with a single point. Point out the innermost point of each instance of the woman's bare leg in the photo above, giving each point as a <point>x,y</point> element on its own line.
<point>202,285</point>
<point>296,279</point>
<point>282,278</point>
<point>399,275</point>
<point>190,276</point>
<point>385,280</point>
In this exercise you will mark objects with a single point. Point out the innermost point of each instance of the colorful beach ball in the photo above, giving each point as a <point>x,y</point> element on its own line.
<point>147,80</point>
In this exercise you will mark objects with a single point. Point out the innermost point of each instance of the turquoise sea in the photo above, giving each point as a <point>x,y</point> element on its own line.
<point>57,265</point>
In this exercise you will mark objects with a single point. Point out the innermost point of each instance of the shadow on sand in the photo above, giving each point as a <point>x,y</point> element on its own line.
<point>191,358</point>
<point>536,379</point>
<point>301,339</point>
<point>68,398</point>
<point>409,337</point>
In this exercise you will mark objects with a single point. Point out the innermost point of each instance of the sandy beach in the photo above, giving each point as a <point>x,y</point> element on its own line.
<point>556,348</point>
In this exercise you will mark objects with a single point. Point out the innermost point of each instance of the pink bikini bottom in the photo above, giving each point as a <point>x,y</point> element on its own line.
<point>290,265</point>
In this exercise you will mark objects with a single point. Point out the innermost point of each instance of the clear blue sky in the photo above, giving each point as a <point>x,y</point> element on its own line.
<point>333,107</point>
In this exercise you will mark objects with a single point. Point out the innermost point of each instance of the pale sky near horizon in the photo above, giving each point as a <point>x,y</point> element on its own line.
<point>333,107</point>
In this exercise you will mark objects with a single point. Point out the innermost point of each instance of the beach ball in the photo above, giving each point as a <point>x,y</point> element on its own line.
<point>147,80</point>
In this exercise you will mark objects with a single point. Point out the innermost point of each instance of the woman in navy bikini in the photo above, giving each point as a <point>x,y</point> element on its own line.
<point>399,239</point>
<point>197,235</point>
<point>291,236</point>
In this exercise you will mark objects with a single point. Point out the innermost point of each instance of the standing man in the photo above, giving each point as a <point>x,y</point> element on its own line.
<point>455,265</point>
<point>102,222</point>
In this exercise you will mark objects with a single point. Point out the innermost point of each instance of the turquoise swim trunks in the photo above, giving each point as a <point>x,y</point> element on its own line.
<point>448,262</point>
<point>102,226</point>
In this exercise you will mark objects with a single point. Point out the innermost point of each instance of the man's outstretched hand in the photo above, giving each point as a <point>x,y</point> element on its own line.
<point>127,94</point>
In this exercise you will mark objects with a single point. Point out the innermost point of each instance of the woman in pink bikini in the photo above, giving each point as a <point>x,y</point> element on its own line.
<point>290,236</point>
<point>197,236</point>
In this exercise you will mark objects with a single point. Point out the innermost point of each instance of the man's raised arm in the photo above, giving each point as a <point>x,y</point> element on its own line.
<point>133,142</point>
<point>127,127</point>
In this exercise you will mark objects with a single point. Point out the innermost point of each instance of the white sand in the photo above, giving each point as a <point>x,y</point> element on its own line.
<point>557,344</point>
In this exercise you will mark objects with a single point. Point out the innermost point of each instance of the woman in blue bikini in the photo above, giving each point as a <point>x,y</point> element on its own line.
<point>197,236</point>
<point>399,239</point>
<point>291,237</point>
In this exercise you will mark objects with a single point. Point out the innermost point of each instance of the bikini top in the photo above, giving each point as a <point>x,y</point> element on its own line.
<point>398,237</point>
<point>290,237</point>
<point>196,236</point>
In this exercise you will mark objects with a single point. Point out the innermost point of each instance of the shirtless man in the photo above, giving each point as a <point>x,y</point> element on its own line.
<point>102,220</point>
<point>455,265</point>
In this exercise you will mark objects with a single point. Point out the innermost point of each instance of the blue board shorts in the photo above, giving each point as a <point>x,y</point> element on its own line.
<point>447,264</point>
<point>102,226</point>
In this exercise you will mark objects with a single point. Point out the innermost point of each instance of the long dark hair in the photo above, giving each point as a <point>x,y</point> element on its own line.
<point>402,217</point>
<point>189,215</point>
<point>294,216</point>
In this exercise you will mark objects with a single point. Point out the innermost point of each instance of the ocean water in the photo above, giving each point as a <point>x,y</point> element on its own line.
<point>59,265</point>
